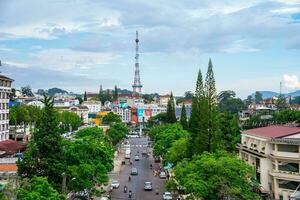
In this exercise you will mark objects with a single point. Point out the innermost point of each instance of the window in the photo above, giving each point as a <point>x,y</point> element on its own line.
<point>285,184</point>
<point>288,167</point>
<point>288,148</point>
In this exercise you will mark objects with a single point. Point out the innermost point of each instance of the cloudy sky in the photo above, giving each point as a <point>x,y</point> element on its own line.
<point>78,45</point>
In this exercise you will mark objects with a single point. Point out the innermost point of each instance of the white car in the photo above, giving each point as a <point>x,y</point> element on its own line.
<point>167,196</point>
<point>115,184</point>
<point>136,158</point>
<point>162,175</point>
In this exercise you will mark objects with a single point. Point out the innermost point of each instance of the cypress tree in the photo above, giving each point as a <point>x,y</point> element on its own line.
<point>211,96</point>
<point>183,118</point>
<point>84,96</point>
<point>115,95</point>
<point>198,120</point>
<point>171,116</point>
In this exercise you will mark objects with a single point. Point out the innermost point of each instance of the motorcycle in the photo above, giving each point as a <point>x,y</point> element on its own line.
<point>125,189</point>
<point>129,178</point>
<point>130,194</point>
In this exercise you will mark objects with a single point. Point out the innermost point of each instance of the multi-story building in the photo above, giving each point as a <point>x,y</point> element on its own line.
<point>5,90</point>
<point>124,113</point>
<point>274,152</point>
<point>93,106</point>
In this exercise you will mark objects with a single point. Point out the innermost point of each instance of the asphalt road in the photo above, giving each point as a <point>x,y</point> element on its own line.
<point>136,185</point>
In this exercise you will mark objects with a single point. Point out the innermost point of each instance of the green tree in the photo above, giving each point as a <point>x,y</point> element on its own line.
<point>37,188</point>
<point>79,98</point>
<point>164,135</point>
<point>43,156</point>
<point>211,94</point>
<point>178,151</point>
<point>171,116</point>
<point>198,124</point>
<point>160,118</point>
<point>115,95</point>
<point>217,176</point>
<point>183,118</point>
<point>258,98</point>
<point>12,95</point>
<point>188,95</point>
<point>85,96</point>
<point>26,91</point>
<point>229,125</point>
<point>117,132</point>
<point>227,102</point>
<point>111,118</point>
<point>249,100</point>
<point>281,103</point>
<point>69,121</point>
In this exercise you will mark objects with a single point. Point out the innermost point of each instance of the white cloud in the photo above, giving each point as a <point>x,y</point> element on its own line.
<point>15,64</point>
<point>291,81</point>
<point>68,60</point>
<point>239,46</point>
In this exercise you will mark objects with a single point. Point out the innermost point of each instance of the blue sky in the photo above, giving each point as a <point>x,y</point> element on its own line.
<point>78,45</point>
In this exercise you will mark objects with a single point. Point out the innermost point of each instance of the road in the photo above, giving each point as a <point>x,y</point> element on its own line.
<point>136,185</point>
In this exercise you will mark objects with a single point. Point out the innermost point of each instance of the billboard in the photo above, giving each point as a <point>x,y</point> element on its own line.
<point>140,112</point>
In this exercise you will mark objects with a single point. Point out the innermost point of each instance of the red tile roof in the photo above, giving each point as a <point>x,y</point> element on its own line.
<point>10,146</point>
<point>8,168</point>
<point>273,131</point>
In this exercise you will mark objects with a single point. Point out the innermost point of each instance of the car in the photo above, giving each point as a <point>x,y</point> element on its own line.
<point>115,184</point>
<point>162,174</point>
<point>147,186</point>
<point>136,158</point>
<point>144,153</point>
<point>157,159</point>
<point>134,171</point>
<point>167,196</point>
<point>104,198</point>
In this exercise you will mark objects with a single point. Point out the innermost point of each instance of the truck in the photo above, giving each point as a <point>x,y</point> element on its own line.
<point>127,153</point>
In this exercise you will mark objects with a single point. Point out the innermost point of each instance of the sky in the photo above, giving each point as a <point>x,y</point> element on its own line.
<point>78,45</point>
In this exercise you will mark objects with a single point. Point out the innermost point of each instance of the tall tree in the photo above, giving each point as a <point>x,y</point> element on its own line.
<point>198,120</point>
<point>211,95</point>
<point>249,100</point>
<point>44,153</point>
<point>26,91</point>
<point>171,116</point>
<point>227,102</point>
<point>281,102</point>
<point>115,95</point>
<point>85,96</point>
<point>183,118</point>
<point>258,97</point>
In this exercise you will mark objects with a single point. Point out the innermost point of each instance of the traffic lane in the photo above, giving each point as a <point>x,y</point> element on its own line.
<point>136,185</point>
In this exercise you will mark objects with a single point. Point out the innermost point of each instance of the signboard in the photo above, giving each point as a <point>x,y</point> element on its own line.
<point>140,112</point>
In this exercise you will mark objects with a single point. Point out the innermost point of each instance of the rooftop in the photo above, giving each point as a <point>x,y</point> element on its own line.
<point>273,131</point>
<point>8,168</point>
<point>10,146</point>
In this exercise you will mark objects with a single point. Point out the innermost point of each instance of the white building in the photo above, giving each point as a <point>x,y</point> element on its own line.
<point>93,106</point>
<point>65,102</point>
<point>5,90</point>
<point>274,152</point>
<point>37,103</point>
<point>124,113</point>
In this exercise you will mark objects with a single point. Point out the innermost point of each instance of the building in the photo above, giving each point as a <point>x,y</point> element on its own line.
<point>37,103</point>
<point>5,90</point>
<point>93,106</point>
<point>99,117</point>
<point>274,152</point>
<point>124,113</point>
<point>81,111</point>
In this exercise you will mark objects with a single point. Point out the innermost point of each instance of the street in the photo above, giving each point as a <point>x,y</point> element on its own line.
<point>136,185</point>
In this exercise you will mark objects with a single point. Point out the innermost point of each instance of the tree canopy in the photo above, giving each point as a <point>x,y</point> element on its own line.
<point>111,118</point>
<point>37,188</point>
<point>217,176</point>
<point>171,116</point>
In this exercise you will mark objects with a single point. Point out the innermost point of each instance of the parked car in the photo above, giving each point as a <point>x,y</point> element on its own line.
<point>162,174</point>
<point>147,186</point>
<point>115,184</point>
<point>136,158</point>
<point>157,159</point>
<point>134,171</point>
<point>167,196</point>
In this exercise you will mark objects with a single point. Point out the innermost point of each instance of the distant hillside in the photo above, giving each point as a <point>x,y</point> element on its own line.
<point>269,94</point>
<point>53,91</point>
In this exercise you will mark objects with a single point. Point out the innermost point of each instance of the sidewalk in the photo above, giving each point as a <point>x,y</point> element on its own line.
<point>118,158</point>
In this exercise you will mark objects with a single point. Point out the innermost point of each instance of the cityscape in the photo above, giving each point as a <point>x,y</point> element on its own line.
<point>149,100</point>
